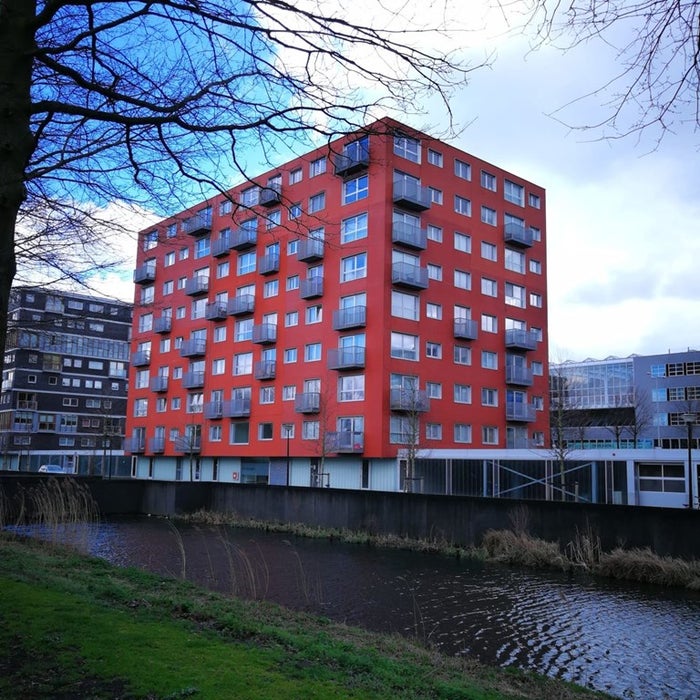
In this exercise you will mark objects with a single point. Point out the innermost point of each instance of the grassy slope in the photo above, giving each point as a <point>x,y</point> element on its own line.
<point>76,627</point>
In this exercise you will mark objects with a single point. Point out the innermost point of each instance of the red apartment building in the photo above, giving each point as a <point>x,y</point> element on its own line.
<point>379,295</point>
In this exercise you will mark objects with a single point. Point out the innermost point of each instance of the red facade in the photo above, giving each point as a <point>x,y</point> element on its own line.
<point>403,290</point>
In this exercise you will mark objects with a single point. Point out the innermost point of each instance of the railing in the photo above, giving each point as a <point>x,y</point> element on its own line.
<point>521,339</point>
<point>411,195</point>
<point>309,289</point>
<point>310,249</point>
<point>243,238</point>
<point>193,347</point>
<point>199,284</point>
<point>346,358</point>
<point>307,402</point>
<point>145,273</point>
<point>141,358</point>
<point>265,369</point>
<point>347,441</point>
<point>242,304</point>
<point>198,224</point>
<point>408,275</point>
<point>466,328</point>
<point>269,264</point>
<point>216,310</point>
<point>193,380</point>
<point>162,324</point>
<point>517,234</point>
<point>236,408</point>
<point>409,235</point>
<point>159,383</point>
<point>521,376</point>
<point>409,400</point>
<point>521,412</point>
<point>352,317</point>
<point>264,333</point>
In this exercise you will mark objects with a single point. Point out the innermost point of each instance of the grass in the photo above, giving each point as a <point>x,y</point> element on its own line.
<point>76,627</point>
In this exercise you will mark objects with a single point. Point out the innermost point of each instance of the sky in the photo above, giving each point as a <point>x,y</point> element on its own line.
<point>623,216</point>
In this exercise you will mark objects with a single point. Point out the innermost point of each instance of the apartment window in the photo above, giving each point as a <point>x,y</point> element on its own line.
<point>168,287</point>
<point>514,193</point>
<point>433,390</point>
<point>434,233</point>
<point>246,263</point>
<point>289,392</point>
<point>462,355</point>
<point>165,345</point>
<point>538,403</point>
<point>535,267</point>
<point>433,350</point>
<point>150,240</point>
<point>292,246</point>
<point>404,346</point>
<point>404,305</point>
<point>514,260</point>
<point>317,167</point>
<point>291,318</point>
<point>295,176</point>
<point>353,267</point>
<point>177,372</point>
<point>295,210</point>
<point>202,247</point>
<point>265,431</point>
<point>434,272</point>
<point>462,432</point>
<point>433,431</point>
<point>290,356</point>
<point>140,409</point>
<point>463,242</point>
<point>489,251</point>
<point>180,312</point>
<point>354,228</point>
<point>239,433</point>
<point>218,366</point>
<point>489,360</point>
<point>407,148</point>
<point>488,181</point>
<point>355,189</point>
<point>312,352</point>
<point>183,253</point>
<point>489,397</point>
<point>242,363</point>
<point>536,233</point>
<point>310,430</point>
<point>462,280</point>
<point>489,216</point>
<point>537,333</point>
<point>463,205</point>
<point>489,287</point>
<point>175,404</point>
<point>433,311</point>
<point>533,200</point>
<point>515,295</point>
<point>267,394</point>
<point>463,170</point>
<point>317,202</point>
<point>243,330</point>
<point>489,435</point>
<point>435,195</point>
<point>145,322</point>
<point>462,393</point>
<point>219,334</point>
<point>351,388</point>
<point>489,323</point>
<point>198,308</point>
<point>172,231</point>
<point>161,405</point>
<point>536,300</point>
<point>292,282</point>
<point>273,218</point>
<point>222,269</point>
<point>169,258</point>
<point>250,196</point>
<point>314,314</point>
<point>271,288</point>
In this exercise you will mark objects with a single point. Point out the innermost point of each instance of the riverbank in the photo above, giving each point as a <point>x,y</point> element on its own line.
<point>73,626</point>
<point>514,547</point>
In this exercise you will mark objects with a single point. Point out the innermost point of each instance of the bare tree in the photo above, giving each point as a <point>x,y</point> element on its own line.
<point>643,415</point>
<point>560,421</point>
<point>146,100</point>
<point>413,403</point>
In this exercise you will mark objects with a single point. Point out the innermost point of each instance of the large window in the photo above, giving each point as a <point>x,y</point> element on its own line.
<point>515,295</point>
<point>407,148</point>
<point>243,363</point>
<point>404,346</point>
<point>404,305</point>
<point>462,393</point>
<point>246,263</point>
<point>463,205</point>
<point>488,181</point>
<point>355,189</point>
<point>514,193</point>
<point>317,167</point>
<point>353,228</point>
<point>317,202</point>
<point>514,260</point>
<point>351,388</point>
<point>463,242</point>
<point>462,280</point>
<point>489,216</point>
<point>354,267</point>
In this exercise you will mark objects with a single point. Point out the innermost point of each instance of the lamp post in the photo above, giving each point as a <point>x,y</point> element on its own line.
<point>288,431</point>
<point>689,419</point>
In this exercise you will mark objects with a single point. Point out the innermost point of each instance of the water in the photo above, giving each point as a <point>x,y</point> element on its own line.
<point>630,640</point>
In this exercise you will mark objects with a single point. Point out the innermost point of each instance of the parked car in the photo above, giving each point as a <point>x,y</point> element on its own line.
<point>52,469</point>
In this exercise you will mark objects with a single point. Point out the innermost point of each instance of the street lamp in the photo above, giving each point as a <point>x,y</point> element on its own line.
<point>288,431</point>
<point>689,419</point>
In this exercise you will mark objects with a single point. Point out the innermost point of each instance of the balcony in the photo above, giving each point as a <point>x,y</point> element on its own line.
<point>31,405</point>
<point>352,317</point>
<point>188,445</point>
<point>270,195</point>
<point>159,384</point>
<point>221,247</point>
<point>410,195</point>
<point>135,445</point>
<point>269,264</point>
<point>53,363</point>
<point>466,328</point>
<point>264,333</point>
<point>307,402</point>
<point>193,380</point>
<point>236,408</point>
<point>213,410</point>
<point>197,225</point>
<point>141,358</point>
<point>265,369</point>
<point>517,234</point>
<point>410,276</point>
<point>409,400</point>
<point>521,412</point>
<point>163,324</point>
<point>310,289</point>
<point>145,274</point>
<point>518,339</point>
<point>244,238</point>
<point>354,159</point>
<point>199,284</point>
<point>194,347</point>
<point>345,441</point>
<point>156,445</point>
<point>520,376</point>
<point>346,358</point>
<point>409,235</point>
<point>310,250</point>
<point>216,310</point>
<point>240,305</point>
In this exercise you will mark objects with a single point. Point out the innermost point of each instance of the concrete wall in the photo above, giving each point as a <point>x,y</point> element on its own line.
<point>461,520</point>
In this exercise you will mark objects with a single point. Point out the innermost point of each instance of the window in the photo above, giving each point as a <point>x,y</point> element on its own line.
<point>246,263</point>
<point>433,311</point>
<point>354,228</point>
<point>267,394</point>
<point>172,230</point>
<point>202,247</point>
<point>489,216</point>
<point>433,431</point>
<point>354,267</point>
<point>165,345</point>
<point>351,388</point>
<point>183,253</point>
<point>290,356</point>
<point>489,360</point>
<point>243,363</point>
<point>219,334</point>
<point>289,392</point>
<point>433,350</point>
<point>317,202</point>
<point>533,200</point>
<point>150,240</point>
<point>462,393</point>
<point>317,167</point>
<point>145,322</point>
<point>218,366</point>
<point>273,218</point>
<point>265,431</point>
<point>198,308</point>
<point>489,397</point>
<point>404,305</point>
<point>295,210</point>
<point>489,323</point>
<point>169,258</point>
<point>310,430</point>
<point>514,260</point>
<point>433,390</point>
<point>489,435</point>
<point>462,280</point>
<point>463,242</point>
<point>250,196</point>
<point>536,267</point>
<point>407,148</point>
<point>535,300</point>
<point>462,355</point>
<point>515,295</point>
<point>434,272</point>
<point>514,193</point>
<point>175,404</point>
<point>271,288</point>
<point>314,314</point>
<point>489,251</point>
<point>243,330</point>
<point>488,181</point>
<point>462,432</point>
<point>404,346</point>
<point>312,352</point>
<point>147,294</point>
<point>356,189</point>
<point>291,318</point>
<point>222,269</point>
<point>182,282</point>
<point>434,233</point>
<point>463,170</point>
<point>489,287</point>
<point>463,205</point>
<point>239,433</point>
<point>536,233</point>
<point>168,287</point>
<point>435,195</point>
<point>435,158</point>
<point>295,176</point>
<point>140,409</point>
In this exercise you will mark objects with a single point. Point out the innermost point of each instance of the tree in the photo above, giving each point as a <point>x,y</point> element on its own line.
<point>657,83</point>
<point>413,403</point>
<point>144,101</point>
